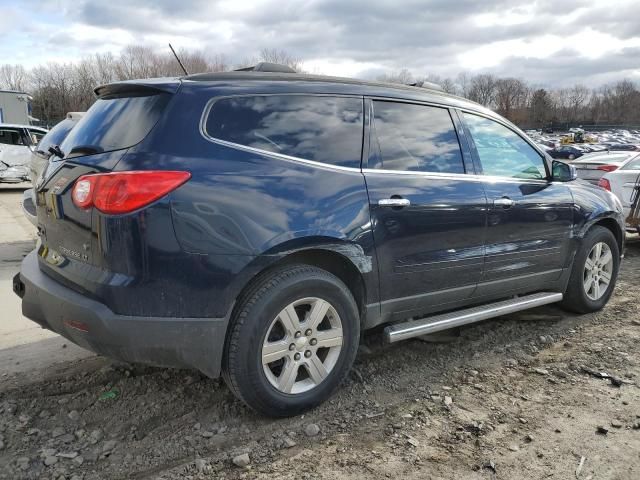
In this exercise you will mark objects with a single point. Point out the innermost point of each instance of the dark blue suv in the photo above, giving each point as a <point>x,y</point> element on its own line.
<point>253,224</point>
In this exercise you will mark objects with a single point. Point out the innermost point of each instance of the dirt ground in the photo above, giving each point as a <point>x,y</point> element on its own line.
<point>536,395</point>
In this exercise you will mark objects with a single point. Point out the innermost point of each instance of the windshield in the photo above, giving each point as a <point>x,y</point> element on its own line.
<point>114,123</point>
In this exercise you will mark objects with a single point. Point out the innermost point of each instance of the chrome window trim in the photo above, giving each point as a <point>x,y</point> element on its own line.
<point>458,176</point>
<point>259,151</point>
<point>454,176</point>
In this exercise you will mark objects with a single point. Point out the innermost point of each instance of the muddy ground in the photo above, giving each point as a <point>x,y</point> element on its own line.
<point>536,395</point>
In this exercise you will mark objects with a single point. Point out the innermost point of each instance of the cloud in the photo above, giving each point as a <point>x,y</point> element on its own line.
<point>355,37</point>
<point>568,67</point>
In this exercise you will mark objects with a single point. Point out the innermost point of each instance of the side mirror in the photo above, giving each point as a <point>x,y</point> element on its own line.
<point>563,172</point>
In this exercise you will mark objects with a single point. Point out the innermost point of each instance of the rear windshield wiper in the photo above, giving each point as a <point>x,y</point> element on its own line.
<point>80,150</point>
<point>55,150</point>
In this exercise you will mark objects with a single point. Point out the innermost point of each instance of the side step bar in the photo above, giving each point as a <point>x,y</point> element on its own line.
<point>425,326</point>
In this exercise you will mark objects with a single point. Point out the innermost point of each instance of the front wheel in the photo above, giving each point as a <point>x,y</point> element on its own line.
<point>292,340</point>
<point>595,269</point>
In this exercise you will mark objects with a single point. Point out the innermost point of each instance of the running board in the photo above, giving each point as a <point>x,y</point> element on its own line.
<point>425,326</point>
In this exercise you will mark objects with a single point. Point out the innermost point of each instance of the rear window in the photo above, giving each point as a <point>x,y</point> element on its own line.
<point>114,123</point>
<point>320,128</point>
<point>55,136</point>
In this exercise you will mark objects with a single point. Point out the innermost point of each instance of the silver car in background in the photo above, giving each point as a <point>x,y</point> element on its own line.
<point>40,160</point>
<point>593,166</point>
<point>622,182</point>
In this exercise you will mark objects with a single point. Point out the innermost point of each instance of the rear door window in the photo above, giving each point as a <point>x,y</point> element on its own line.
<point>320,128</point>
<point>114,122</point>
<point>411,137</point>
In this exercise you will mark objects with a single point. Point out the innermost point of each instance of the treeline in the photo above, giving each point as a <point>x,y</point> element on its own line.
<point>531,106</point>
<point>58,88</point>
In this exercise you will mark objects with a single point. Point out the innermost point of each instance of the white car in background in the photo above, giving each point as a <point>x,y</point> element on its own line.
<point>593,166</point>
<point>623,181</point>
<point>16,142</point>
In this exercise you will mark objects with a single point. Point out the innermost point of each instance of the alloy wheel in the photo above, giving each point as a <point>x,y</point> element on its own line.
<point>302,345</point>
<point>598,271</point>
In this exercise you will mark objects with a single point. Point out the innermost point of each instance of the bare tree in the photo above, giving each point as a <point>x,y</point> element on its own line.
<point>482,89</point>
<point>13,77</point>
<point>403,76</point>
<point>577,96</point>
<point>283,57</point>
<point>510,95</point>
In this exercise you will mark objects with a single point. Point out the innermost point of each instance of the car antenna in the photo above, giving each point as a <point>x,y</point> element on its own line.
<point>178,59</point>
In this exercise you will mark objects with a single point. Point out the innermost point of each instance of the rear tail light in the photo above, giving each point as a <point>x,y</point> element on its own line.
<point>123,192</point>
<point>604,183</point>
<point>608,168</point>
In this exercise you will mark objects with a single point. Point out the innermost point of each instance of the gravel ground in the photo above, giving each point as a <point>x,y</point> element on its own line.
<point>540,394</point>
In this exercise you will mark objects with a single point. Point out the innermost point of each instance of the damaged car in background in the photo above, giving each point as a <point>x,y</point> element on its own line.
<point>16,142</point>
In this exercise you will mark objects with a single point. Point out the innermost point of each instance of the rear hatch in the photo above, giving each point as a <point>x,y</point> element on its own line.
<point>121,118</point>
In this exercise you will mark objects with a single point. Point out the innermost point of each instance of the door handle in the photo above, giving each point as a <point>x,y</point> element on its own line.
<point>394,202</point>
<point>504,202</point>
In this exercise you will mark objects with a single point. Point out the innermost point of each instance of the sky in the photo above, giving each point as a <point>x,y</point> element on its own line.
<point>547,43</point>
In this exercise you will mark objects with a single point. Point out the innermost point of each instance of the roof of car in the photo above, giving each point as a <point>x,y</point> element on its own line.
<point>296,77</point>
<point>324,84</point>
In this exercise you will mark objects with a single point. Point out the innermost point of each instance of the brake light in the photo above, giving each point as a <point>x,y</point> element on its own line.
<point>608,168</point>
<point>604,183</point>
<point>123,192</point>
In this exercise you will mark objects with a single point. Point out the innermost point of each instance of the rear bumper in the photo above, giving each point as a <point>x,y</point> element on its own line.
<point>163,341</point>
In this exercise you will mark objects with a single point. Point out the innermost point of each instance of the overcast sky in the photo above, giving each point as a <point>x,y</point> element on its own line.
<point>545,42</point>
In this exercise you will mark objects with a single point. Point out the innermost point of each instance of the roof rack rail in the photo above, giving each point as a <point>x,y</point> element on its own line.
<point>425,84</point>
<point>267,67</point>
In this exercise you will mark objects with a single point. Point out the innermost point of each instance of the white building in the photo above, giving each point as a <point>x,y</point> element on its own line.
<point>15,107</point>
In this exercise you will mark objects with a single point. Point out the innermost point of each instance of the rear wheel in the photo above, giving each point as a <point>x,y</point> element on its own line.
<point>571,156</point>
<point>595,269</point>
<point>292,340</point>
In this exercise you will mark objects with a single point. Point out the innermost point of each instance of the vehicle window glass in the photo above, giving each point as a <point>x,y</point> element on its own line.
<point>503,152</point>
<point>319,128</point>
<point>115,122</point>
<point>632,165</point>
<point>37,134</point>
<point>10,136</point>
<point>55,136</point>
<point>415,138</point>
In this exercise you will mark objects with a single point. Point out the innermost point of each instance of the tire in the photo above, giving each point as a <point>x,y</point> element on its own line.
<point>571,156</point>
<point>263,327</point>
<point>577,298</point>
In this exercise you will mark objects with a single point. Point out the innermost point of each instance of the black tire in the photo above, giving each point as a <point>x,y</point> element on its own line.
<point>571,157</point>
<point>575,298</point>
<point>270,294</point>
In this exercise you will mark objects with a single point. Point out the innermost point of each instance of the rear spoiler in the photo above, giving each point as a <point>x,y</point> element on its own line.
<point>139,87</point>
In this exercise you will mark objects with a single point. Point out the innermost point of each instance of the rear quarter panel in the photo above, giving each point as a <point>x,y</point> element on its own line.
<point>240,212</point>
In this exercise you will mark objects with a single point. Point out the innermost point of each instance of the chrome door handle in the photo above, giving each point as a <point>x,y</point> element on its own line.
<point>394,202</point>
<point>503,202</point>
